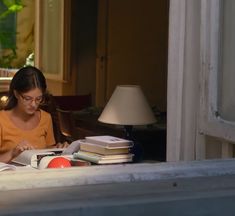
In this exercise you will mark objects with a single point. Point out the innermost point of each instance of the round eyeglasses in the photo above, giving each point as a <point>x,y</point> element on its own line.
<point>28,100</point>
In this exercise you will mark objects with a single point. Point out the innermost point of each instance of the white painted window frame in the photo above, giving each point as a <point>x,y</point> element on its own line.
<point>183,140</point>
<point>211,123</point>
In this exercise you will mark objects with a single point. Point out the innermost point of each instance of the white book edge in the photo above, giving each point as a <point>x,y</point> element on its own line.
<point>106,139</point>
<point>84,141</point>
<point>103,157</point>
<point>115,161</point>
<point>32,157</point>
<point>109,141</point>
<point>104,161</point>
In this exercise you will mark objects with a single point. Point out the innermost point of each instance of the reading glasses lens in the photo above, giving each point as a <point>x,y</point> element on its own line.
<point>29,100</point>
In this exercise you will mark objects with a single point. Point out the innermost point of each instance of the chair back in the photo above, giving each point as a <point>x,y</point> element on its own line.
<point>73,102</point>
<point>61,109</point>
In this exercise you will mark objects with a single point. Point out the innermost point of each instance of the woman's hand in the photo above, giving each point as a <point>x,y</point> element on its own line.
<point>62,145</point>
<point>22,146</point>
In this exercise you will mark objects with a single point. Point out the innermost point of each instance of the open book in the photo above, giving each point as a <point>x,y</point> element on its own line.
<point>33,157</point>
<point>5,166</point>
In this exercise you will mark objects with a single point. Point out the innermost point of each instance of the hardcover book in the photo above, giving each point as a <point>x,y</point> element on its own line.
<point>103,159</point>
<point>103,150</point>
<point>109,141</point>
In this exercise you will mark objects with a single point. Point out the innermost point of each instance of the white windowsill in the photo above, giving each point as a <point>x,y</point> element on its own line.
<point>28,178</point>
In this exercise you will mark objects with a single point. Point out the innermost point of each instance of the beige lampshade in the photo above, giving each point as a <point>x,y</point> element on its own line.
<point>127,106</point>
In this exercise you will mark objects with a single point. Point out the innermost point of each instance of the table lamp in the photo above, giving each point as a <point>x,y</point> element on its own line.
<point>128,107</point>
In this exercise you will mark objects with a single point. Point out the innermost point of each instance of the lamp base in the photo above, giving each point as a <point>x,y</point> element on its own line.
<point>137,148</point>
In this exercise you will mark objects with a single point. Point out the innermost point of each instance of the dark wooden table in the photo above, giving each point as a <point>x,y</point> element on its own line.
<point>152,139</point>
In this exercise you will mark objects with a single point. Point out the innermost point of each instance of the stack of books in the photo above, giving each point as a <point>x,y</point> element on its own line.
<point>104,150</point>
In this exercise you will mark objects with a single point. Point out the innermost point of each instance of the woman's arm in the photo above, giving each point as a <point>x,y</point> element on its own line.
<point>6,157</point>
<point>50,139</point>
<point>9,155</point>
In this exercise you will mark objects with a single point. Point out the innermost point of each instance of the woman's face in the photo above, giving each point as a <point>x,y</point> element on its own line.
<point>29,101</point>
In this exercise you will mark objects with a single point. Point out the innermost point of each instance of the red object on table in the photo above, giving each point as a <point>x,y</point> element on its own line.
<point>59,162</point>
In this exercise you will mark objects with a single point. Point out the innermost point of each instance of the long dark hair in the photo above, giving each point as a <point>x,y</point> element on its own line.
<point>25,79</point>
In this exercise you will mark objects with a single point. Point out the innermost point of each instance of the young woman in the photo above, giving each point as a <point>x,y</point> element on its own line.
<point>23,125</point>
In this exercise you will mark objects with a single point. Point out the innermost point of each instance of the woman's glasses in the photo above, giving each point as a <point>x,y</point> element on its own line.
<point>28,100</point>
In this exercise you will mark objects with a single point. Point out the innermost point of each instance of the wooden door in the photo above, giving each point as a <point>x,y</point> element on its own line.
<point>132,48</point>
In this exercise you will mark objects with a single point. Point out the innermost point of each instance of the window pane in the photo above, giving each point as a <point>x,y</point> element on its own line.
<point>226,101</point>
<point>52,40</point>
<point>8,29</point>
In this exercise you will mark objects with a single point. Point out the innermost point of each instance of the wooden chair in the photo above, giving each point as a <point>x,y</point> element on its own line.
<point>61,109</point>
<point>51,107</point>
<point>66,125</point>
<point>73,102</point>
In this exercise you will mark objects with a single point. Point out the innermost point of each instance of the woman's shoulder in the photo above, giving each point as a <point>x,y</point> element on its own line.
<point>44,114</point>
<point>4,113</point>
<point>4,117</point>
<point>45,118</point>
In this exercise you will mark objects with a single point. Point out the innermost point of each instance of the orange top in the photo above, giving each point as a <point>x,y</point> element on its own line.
<point>40,137</point>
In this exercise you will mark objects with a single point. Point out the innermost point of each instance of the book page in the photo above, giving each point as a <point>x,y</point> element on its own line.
<point>5,166</point>
<point>31,157</point>
<point>73,147</point>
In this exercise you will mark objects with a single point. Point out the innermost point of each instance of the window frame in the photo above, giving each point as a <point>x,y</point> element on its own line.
<point>63,25</point>
<point>211,123</point>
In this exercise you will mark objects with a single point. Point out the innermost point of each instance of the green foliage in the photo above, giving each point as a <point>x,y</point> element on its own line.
<point>5,60</point>
<point>10,7</point>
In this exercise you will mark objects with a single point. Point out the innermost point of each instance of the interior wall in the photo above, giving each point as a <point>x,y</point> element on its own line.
<point>136,44</point>
<point>84,22</point>
<point>137,38</point>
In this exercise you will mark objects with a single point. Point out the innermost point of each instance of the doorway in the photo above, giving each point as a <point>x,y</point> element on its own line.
<point>122,42</point>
